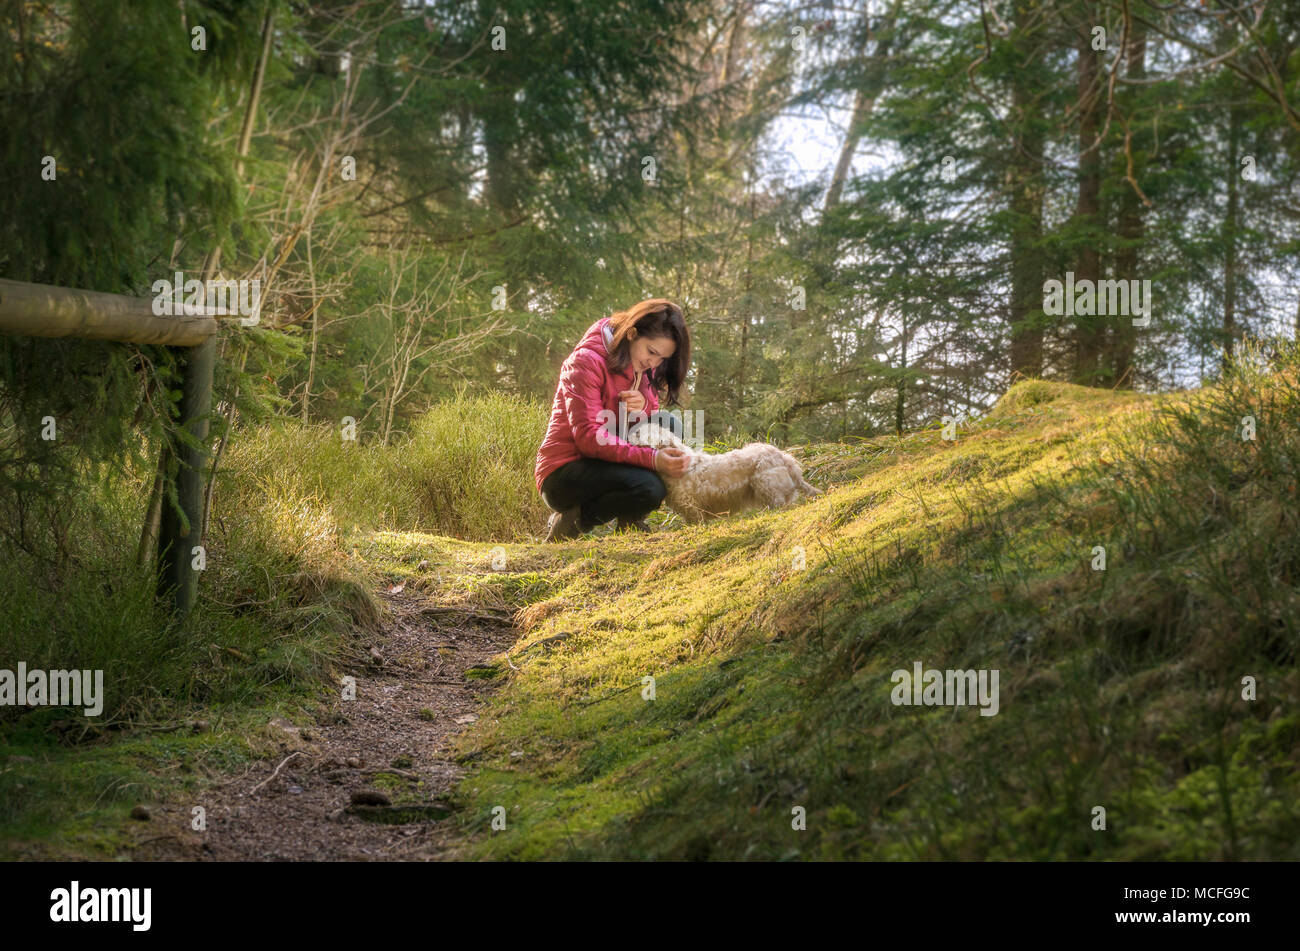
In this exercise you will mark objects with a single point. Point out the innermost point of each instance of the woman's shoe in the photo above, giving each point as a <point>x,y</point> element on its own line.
<point>565,525</point>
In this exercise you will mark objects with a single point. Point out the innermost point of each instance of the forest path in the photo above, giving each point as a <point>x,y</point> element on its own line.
<point>394,739</point>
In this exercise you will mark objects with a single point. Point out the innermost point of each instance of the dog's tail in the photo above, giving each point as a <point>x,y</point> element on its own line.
<point>796,473</point>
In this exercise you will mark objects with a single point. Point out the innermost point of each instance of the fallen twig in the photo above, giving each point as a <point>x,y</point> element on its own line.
<point>498,617</point>
<point>404,773</point>
<point>276,773</point>
<point>155,838</point>
<point>545,640</point>
<point>438,680</point>
<point>587,703</point>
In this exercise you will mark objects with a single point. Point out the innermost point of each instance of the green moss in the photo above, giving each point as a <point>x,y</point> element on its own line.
<point>772,674</point>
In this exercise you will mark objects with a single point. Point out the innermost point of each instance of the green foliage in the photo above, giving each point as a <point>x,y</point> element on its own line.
<point>465,469</point>
<point>114,95</point>
<point>278,592</point>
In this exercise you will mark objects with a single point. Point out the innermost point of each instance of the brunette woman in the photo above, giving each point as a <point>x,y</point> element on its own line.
<point>586,471</point>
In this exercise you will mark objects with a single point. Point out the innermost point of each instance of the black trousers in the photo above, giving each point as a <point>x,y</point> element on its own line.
<point>605,490</point>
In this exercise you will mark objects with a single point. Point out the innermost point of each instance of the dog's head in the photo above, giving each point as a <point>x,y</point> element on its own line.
<point>654,436</point>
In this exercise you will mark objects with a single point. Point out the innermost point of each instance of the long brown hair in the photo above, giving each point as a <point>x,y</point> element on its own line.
<point>653,318</point>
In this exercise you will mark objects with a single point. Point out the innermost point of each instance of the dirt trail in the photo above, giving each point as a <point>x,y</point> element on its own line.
<point>395,734</point>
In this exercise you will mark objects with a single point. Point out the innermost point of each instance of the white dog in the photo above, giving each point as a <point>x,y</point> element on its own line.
<point>755,476</point>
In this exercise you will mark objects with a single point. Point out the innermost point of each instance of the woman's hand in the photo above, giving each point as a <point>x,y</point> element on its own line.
<point>634,398</point>
<point>672,461</point>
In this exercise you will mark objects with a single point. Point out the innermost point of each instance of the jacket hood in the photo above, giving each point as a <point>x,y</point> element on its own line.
<point>594,338</point>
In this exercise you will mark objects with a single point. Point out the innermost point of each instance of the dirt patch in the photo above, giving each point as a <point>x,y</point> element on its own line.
<point>367,781</point>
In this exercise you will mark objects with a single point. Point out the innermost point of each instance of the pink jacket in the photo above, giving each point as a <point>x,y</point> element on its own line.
<point>587,386</point>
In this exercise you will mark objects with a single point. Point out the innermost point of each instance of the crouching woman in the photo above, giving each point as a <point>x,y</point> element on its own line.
<point>586,471</point>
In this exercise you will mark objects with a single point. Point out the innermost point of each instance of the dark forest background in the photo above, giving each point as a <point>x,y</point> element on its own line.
<point>445,195</point>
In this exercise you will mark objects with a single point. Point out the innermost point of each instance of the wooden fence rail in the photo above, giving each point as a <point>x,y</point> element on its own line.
<point>40,310</point>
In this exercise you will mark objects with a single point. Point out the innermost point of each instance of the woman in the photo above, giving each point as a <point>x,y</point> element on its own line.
<point>586,473</point>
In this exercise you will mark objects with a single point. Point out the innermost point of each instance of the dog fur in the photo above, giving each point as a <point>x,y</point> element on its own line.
<point>752,477</point>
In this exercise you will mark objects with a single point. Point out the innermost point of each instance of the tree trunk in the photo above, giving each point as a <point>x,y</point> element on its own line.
<point>900,405</point>
<point>1230,330</point>
<point>1027,191</point>
<point>1132,225</point>
<point>1088,333</point>
<point>153,511</point>
<point>746,302</point>
<point>864,99</point>
<point>525,352</point>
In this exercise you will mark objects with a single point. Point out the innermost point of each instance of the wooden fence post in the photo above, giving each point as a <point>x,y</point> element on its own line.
<point>180,533</point>
<point>41,310</point>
